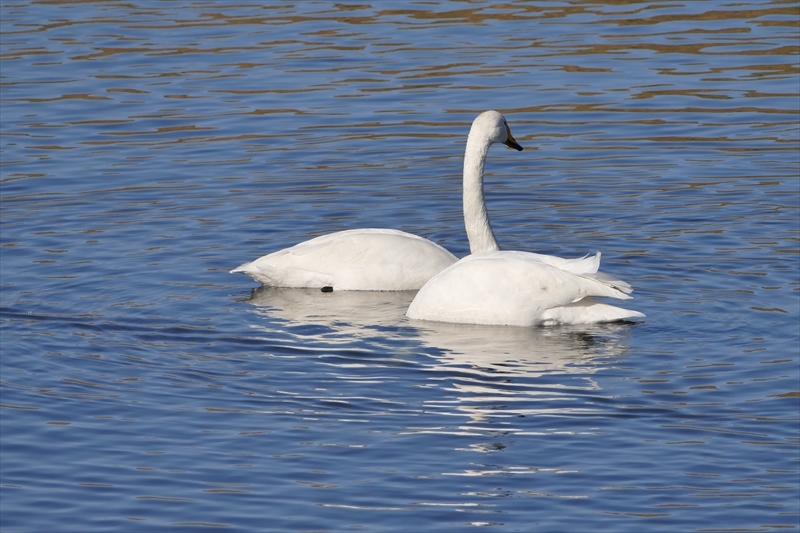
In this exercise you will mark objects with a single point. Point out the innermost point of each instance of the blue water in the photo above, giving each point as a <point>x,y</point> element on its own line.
<point>149,147</point>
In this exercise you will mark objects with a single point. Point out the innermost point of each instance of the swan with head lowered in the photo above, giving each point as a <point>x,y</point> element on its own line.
<point>361,259</point>
<point>496,287</point>
<point>370,259</point>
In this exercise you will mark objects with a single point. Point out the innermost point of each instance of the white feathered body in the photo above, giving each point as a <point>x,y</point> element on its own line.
<point>489,286</point>
<point>371,259</point>
<point>521,289</point>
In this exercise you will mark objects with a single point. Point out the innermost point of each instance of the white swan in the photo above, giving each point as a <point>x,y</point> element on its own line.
<point>353,260</point>
<point>496,287</point>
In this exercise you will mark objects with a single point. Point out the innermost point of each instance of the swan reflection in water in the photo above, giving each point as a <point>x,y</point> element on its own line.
<point>493,348</point>
<point>342,311</point>
<point>495,371</point>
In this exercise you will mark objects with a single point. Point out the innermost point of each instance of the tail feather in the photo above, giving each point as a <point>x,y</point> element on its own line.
<point>272,276</point>
<point>611,281</point>
<point>241,268</point>
<point>603,288</point>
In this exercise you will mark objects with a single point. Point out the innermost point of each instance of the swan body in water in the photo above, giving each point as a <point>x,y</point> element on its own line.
<point>495,287</point>
<point>370,259</point>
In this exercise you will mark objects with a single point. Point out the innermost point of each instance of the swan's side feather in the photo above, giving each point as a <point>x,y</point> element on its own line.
<point>588,266</point>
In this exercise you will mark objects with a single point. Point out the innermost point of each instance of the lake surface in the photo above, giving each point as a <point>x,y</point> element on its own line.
<point>149,147</point>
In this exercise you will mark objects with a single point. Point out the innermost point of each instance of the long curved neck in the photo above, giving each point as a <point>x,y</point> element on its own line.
<point>476,219</point>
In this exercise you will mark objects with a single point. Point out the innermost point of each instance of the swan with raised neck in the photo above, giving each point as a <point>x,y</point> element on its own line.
<point>512,288</point>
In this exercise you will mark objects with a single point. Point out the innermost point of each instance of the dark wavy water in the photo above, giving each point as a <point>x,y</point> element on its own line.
<point>148,147</point>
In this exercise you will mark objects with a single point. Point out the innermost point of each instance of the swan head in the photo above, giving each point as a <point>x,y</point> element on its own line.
<point>493,126</point>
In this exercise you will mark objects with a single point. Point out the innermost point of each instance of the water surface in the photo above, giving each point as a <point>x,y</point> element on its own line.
<point>149,147</point>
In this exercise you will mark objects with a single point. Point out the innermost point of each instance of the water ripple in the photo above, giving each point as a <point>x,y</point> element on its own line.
<point>148,148</point>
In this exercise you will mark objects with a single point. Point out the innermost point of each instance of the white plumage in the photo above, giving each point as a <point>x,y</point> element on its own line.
<point>496,287</point>
<point>354,260</point>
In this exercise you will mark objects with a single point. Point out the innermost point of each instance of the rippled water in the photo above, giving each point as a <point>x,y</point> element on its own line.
<point>148,147</point>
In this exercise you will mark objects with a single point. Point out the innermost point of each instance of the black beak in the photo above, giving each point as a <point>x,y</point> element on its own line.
<point>510,141</point>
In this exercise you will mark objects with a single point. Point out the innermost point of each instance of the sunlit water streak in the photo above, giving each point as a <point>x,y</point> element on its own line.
<point>149,147</point>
